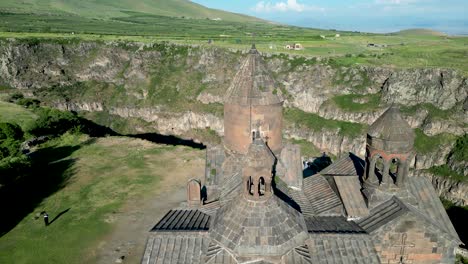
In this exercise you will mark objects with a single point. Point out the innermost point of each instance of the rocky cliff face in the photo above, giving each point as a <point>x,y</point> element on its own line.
<point>454,191</point>
<point>176,88</point>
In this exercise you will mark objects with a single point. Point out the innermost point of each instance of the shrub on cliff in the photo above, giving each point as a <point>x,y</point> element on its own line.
<point>460,151</point>
<point>12,161</point>
<point>54,122</point>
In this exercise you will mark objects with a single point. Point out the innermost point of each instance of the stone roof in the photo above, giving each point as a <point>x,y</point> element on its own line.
<point>349,188</point>
<point>430,205</point>
<point>249,227</point>
<point>299,255</point>
<point>332,224</point>
<point>342,249</point>
<point>216,254</point>
<point>391,126</point>
<point>232,188</point>
<point>175,249</point>
<point>259,155</point>
<point>347,165</point>
<point>183,220</point>
<point>394,208</point>
<point>252,84</point>
<point>320,195</point>
<point>383,214</point>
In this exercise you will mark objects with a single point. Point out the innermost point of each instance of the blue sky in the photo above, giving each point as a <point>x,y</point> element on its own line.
<point>450,16</point>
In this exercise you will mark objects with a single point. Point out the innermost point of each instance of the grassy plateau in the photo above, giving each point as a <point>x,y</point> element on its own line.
<point>81,182</point>
<point>185,22</point>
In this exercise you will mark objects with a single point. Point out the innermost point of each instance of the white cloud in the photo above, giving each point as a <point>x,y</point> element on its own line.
<point>395,2</point>
<point>289,5</point>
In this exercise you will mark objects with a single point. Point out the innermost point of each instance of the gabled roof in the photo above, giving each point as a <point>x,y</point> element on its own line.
<point>394,208</point>
<point>332,224</point>
<point>231,188</point>
<point>299,255</point>
<point>391,126</point>
<point>383,214</point>
<point>342,249</point>
<point>183,220</point>
<point>349,188</point>
<point>175,249</point>
<point>320,195</point>
<point>429,204</point>
<point>252,84</point>
<point>215,254</point>
<point>347,165</point>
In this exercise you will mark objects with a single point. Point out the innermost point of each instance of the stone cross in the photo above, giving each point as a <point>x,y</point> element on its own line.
<point>403,258</point>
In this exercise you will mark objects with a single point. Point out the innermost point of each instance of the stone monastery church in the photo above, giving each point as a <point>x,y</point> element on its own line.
<point>255,206</point>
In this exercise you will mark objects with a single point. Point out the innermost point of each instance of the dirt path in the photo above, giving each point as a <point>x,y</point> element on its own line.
<point>133,222</point>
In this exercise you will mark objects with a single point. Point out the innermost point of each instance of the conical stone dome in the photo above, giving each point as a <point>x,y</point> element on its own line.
<point>253,104</point>
<point>249,228</point>
<point>259,155</point>
<point>252,84</point>
<point>391,132</point>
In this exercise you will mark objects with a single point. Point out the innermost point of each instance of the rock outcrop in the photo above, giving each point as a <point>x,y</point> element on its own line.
<point>145,81</point>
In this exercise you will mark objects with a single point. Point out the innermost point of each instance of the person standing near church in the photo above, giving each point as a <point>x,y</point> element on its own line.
<point>46,219</point>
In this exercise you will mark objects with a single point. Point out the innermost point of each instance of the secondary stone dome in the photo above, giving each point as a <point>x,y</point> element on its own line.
<point>391,132</point>
<point>248,228</point>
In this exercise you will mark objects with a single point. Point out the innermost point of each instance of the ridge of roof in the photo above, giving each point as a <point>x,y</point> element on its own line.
<point>252,84</point>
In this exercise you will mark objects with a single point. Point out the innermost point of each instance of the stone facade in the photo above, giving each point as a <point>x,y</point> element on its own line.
<point>259,208</point>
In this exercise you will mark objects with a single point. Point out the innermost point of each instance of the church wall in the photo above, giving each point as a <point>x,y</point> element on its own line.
<point>270,121</point>
<point>237,134</point>
<point>413,241</point>
<point>213,166</point>
<point>238,126</point>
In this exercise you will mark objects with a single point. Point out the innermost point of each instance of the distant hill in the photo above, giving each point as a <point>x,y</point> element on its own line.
<point>420,32</point>
<point>103,9</point>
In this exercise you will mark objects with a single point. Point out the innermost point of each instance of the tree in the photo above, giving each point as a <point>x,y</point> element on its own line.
<point>12,161</point>
<point>10,131</point>
<point>53,122</point>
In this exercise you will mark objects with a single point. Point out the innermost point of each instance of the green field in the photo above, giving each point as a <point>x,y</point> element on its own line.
<point>100,9</point>
<point>81,182</point>
<point>102,174</point>
<point>16,114</point>
<point>186,23</point>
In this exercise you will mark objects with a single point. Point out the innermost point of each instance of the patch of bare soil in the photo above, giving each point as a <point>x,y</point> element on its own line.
<point>139,215</point>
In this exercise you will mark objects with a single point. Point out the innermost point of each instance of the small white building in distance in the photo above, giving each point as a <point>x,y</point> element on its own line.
<point>295,46</point>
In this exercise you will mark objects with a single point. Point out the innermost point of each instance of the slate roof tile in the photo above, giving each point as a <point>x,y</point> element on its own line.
<point>430,204</point>
<point>175,249</point>
<point>183,220</point>
<point>383,214</point>
<point>332,224</point>
<point>342,249</point>
<point>349,188</point>
<point>320,195</point>
<point>347,165</point>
